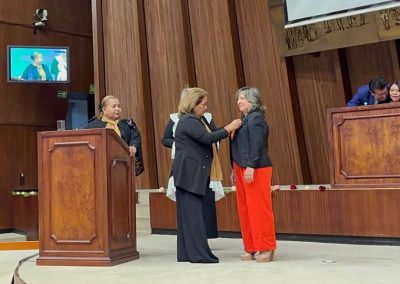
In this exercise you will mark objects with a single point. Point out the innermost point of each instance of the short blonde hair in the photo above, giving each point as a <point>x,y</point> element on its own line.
<point>105,100</point>
<point>190,97</point>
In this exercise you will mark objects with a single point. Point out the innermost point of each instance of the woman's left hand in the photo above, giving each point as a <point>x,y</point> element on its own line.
<point>249,175</point>
<point>132,150</point>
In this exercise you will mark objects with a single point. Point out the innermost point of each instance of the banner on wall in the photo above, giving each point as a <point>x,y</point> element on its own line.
<point>336,33</point>
<point>304,12</point>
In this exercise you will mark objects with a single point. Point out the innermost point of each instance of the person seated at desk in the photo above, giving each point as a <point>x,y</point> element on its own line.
<point>110,117</point>
<point>376,92</point>
<point>394,92</point>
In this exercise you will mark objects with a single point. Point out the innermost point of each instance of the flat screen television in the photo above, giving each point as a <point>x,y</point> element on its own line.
<point>38,64</point>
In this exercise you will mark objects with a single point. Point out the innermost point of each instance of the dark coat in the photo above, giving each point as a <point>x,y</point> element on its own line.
<point>249,147</point>
<point>129,132</point>
<point>364,97</point>
<point>31,73</point>
<point>193,156</point>
<point>168,137</point>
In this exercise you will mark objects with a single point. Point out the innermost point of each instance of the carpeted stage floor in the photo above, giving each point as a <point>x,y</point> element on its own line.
<point>297,262</point>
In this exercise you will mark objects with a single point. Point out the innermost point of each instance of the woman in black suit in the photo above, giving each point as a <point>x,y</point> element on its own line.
<point>216,190</point>
<point>196,163</point>
<point>110,117</point>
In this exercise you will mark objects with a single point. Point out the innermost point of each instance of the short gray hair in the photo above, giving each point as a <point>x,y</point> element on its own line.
<point>253,96</point>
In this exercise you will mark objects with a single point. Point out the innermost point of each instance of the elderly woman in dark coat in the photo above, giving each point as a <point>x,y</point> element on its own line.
<point>110,117</point>
<point>196,163</point>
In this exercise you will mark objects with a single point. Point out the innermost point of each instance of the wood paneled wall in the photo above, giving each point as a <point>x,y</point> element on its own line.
<point>367,61</point>
<point>170,67</point>
<point>38,103</point>
<point>320,86</point>
<point>26,109</point>
<point>18,155</point>
<point>125,65</point>
<point>368,213</point>
<point>71,17</point>
<point>265,69</point>
<point>214,44</point>
<point>151,49</point>
<point>205,43</point>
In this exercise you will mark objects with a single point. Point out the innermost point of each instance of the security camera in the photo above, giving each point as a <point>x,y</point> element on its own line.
<point>41,15</point>
<point>39,19</point>
<point>40,24</point>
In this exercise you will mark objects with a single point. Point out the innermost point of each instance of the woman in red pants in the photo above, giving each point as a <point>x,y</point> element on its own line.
<point>252,175</point>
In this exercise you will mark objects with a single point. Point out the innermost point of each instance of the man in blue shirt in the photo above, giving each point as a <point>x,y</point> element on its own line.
<point>376,92</point>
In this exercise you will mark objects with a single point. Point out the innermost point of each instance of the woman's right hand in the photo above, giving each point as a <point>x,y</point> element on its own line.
<point>233,178</point>
<point>132,150</point>
<point>235,124</point>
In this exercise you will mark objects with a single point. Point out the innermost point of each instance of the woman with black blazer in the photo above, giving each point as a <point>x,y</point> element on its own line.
<point>216,190</point>
<point>110,117</point>
<point>196,163</point>
<point>252,175</point>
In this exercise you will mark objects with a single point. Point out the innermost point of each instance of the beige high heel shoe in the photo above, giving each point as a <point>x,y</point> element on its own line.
<point>247,256</point>
<point>265,256</point>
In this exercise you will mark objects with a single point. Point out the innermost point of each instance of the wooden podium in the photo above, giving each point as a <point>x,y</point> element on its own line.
<point>86,199</point>
<point>364,146</point>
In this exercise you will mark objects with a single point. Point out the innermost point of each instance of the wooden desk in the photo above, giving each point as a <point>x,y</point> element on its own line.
<point>364,146</point>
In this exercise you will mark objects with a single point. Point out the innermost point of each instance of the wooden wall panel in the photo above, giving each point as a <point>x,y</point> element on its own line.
<point>319,86</point>
<point>370,213</point>
<point>169,66</point>
<point>26,109</point>
<point>263,68</point>
<point>38,103</point>
<point>98,53</point>
<point>17,155</point>
<point>71,17</point>
<point>223,52</point>
<point>367,61</point>
<point>216,68</point>
<point>126,73</point>
<point>25,216</point>
<point>162,212</point>
<point>227,217</point>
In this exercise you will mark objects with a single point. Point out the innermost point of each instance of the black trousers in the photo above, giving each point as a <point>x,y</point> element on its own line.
<point>192,245</point>
<point>210,214</point>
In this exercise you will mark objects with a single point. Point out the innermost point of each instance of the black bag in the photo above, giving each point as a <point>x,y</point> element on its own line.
<point>139,165</point>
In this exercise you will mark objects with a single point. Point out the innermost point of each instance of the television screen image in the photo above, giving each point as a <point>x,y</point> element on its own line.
<point>38,64</point>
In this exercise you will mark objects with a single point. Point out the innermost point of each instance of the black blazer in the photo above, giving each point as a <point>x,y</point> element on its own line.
<point>249,147</point>
<point>129,132</point>
<point>168,137</point>
<point>193,154</point>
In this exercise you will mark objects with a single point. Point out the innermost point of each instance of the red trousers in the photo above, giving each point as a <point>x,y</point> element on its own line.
<point>254,202</point>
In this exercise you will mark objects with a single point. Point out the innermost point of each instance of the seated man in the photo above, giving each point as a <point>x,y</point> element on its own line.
<point>376,92</point>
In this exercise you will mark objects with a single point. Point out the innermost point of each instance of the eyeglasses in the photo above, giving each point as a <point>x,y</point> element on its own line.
<point>380,94</point>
